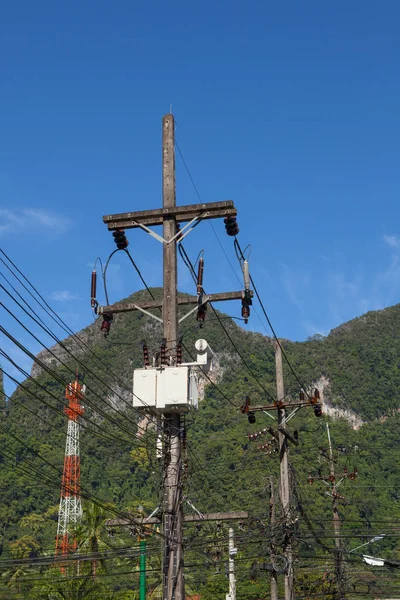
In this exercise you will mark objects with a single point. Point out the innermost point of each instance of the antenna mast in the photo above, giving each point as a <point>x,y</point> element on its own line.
<point>70,509</point>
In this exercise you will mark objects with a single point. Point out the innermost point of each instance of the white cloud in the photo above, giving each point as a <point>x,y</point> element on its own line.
<point>64,296</point>
<point>17,220</point>
<point>392,240</point>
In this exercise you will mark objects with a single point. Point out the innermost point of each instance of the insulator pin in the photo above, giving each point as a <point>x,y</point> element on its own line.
<point>120,239</point>
<point>231,226</point>
<point>246,303</point>
<point>106,324</point>
<point>201,314</point>
<point>93,282</point>
<point>179,353</point>
<point>179,238</point>
<point>163,353</point>
<point>245,311</point>
<point>200,272</point>
<point>251,417</point>
<point>318,410</point>
<point>146,357</point>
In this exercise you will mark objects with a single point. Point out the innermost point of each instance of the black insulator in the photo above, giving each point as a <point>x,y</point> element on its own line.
<point>301,396</point>
<point>245,311</point>
<point>93,289</point>
<point>201,313</point>
<point>251,417</point>
<point>179,237</point>
<point>296,435</point>
<point>179,353</point>
<point>318,410</point>
<point>245,406</point>
<point>316,394</point>
<point>231,226</point>
<point>354,474</point>
<point>163,353</point>
<point>106,324</point>
<point>146,357</point>
<point>120,239</point>
<point>200,272</point>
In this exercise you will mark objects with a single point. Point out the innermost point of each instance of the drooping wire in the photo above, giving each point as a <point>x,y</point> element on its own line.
<point>192,271</point>
<point>237,245</point>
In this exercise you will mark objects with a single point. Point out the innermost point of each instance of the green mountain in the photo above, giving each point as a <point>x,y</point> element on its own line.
<point>356,368</point>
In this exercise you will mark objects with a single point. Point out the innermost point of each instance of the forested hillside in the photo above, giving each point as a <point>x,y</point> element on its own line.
<point>357,368</point>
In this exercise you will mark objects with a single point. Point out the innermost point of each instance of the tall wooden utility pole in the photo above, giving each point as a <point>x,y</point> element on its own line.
<point>339,565</point>
<point>284,469</point>
<point>173,577</point>
<point>272,515</point>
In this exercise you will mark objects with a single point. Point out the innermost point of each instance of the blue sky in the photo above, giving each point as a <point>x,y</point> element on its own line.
<point>288,108</point>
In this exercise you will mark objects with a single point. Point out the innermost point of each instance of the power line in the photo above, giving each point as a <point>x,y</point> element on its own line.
<point>191,269</point>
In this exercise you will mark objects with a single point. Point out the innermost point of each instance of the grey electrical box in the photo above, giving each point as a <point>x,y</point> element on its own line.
<point>144,388</point>
<point>165,389</point>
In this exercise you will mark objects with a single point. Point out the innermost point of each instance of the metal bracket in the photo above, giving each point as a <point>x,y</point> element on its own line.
<point>155,511</point>
<point>288,435</point>
<point>149,314</point>
<point>152,233</point>
<point>294,411</point>
<point>192,506</point>
<point>269,415</point>
<point>179,234</point>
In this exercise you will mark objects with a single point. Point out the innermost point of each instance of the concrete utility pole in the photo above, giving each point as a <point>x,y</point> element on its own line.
<point>284,468</point>
<point>169,216</point>
<point>272,515</point>
<point>232,554</point>
<point>174,583</point>
<point>339,565</point>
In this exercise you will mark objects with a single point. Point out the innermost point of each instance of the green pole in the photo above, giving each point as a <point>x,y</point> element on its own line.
<point>142,584</point>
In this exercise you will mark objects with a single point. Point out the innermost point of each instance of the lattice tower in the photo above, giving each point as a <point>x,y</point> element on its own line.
<point>70,509</point>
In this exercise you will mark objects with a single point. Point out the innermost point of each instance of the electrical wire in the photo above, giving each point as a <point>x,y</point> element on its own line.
<point>302,386</point>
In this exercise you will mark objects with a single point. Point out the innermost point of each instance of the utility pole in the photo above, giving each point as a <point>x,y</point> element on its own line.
<point>232,554</point>
<point>284,471</point>
<point>333,481</point>
<point>173,576</point>
<point>279,442</point>
<point>158,395</point>
<point>339,566</point>
<point>272,516</point>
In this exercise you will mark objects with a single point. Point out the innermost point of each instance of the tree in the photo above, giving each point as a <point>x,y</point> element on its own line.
<point>88,533</point>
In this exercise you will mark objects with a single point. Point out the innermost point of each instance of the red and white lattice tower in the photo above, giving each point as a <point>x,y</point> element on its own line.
<point>70,510</point>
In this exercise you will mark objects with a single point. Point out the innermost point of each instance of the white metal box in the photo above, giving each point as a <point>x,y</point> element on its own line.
<point>172,387</point>
<point>144,388</point>
<point>165,389</point>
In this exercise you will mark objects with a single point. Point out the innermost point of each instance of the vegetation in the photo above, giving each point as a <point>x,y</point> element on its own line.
<point>358,365</point>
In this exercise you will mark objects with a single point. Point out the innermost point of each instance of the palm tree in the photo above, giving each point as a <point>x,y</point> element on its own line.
<point>88,533</point>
